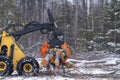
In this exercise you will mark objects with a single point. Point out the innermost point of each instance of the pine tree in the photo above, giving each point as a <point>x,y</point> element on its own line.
<point>112,23</point>
<point>8,11</point>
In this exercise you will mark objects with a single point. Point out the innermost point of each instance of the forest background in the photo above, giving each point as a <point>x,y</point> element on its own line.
<point>88,25</point>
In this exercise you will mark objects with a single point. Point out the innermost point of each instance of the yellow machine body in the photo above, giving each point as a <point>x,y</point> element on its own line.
<point>17,52</point>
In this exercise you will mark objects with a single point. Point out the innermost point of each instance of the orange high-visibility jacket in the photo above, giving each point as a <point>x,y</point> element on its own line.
<point>45,47</point>
<point>66,47</point>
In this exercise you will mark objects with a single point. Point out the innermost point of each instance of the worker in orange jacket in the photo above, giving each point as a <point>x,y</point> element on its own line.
<point>55,50</point>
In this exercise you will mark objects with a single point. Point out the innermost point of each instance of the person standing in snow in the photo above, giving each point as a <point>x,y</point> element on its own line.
<point>55,50</point>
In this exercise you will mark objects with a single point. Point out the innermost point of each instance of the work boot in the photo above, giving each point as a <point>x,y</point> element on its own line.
<point>44,62</point>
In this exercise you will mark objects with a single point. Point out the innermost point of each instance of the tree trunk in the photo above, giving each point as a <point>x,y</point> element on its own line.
<point>76,22</point>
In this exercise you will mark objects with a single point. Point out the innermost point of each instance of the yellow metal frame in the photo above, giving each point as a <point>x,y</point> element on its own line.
<point>8,41</point>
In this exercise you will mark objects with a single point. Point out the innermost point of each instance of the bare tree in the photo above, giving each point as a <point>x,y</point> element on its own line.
<point>76,21</point>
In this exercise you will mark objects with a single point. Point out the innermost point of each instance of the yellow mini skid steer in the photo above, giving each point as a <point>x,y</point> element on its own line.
<point>12,57</point>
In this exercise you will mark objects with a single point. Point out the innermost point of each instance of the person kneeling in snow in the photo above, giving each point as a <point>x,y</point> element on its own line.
<point>55,51</point>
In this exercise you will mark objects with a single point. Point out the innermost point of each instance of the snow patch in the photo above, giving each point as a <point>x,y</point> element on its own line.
<point>38,78</point>
<point>113,44</point>
<point>113,30</point>
<point>110,62</point>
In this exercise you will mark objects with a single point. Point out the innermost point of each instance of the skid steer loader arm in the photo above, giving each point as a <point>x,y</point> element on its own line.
<point>35,26</point>
<point>11,55</point>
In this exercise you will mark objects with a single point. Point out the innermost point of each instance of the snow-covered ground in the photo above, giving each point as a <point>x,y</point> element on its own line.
<point>106,68</point>
<point>38,78</point>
